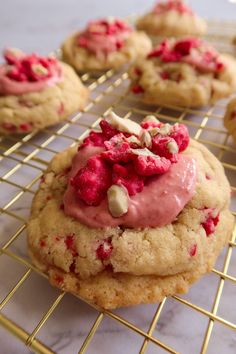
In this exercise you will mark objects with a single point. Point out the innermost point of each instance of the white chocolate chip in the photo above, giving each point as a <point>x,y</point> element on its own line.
<point>110,19</point>
<point>143,152</point>
<point>15,52</point>
<point>165,129</point>
<point>145,138</point>
<point>151,119</point>
<point>153,131</point>
<point>39,69</point>
<point>173,147</point>
<point>117,200</point>
<point>133,140</point>
<point>124,125</point>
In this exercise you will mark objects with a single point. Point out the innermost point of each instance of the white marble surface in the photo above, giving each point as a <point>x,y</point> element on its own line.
<point>41,26</point>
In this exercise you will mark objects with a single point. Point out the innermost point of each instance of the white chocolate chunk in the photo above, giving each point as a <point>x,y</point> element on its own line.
<point>151,119</point>
<point>15,52</point>
<point>143,152</point>
<point>153,131</point>
<point>117,200</point>
<point>133,140</point>
<point>145,138</point>
<point>165,129</point>
<point>173,147</point>
<point>39,69</point>
<point>124,125</point>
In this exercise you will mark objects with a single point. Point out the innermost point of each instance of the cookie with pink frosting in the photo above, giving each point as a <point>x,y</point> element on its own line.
<point>172,18</point>
<point>131,215</point>
<point>230,118</point>
<point>36,92</point>
<point>105,44</point>
<point>187,72</point>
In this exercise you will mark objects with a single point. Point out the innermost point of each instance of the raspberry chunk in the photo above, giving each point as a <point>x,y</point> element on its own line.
<point>181,136</point>
<point>120,153</point>
<point>104,250</point>
<point>193,250</point>
<point>25,127</point>
<point>136,89</point>
<point>184,46</point>
<point>149,125</point>
<point>107,129</point>
<point>92,181</point>
<point>9,126</point>
<point>126,176</point>
<point>94,139</point>
<point>118,149</point>
<point>70,244</point>
<point>211,221</point>
<point>151,165</point>
<point>161,146</point>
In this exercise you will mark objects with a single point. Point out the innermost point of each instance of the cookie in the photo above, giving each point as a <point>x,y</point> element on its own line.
<point>36,92</point>
<point>81,234</point>
<point>105,44</point>
<point>230,118</point>
<point>186,72</point>
<point>172,18</point>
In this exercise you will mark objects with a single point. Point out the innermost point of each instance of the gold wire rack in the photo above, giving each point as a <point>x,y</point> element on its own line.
<point>23,160</point>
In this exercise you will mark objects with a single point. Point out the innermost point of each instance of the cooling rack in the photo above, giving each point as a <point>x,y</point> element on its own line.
<point>23,160</point>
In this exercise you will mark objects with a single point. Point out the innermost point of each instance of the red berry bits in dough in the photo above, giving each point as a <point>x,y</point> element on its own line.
<point>185,72</point>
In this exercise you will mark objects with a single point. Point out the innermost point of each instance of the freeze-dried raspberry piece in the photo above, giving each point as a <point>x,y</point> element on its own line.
<point>9,126</point>
<point>148,125</point>
<point>104,250</point>
<point>193,250</point>
<point>126,176</point>
<point>94,139</point>
<point>107,129</point>
<point>180,134</point>
<point>184,46</point>
<point>161,146</point>
<point>33,68</point>
<point>92,181</point>
<point>70,244</point>
<point>119,153</point>
<point>136,89</point>
<point>211,221</point>
<point>25,127</point>
<point>151,165</point>
<point>165,75</point>
<point>159,50</point>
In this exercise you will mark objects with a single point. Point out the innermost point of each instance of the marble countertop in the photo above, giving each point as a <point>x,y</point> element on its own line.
<point>41,26</point>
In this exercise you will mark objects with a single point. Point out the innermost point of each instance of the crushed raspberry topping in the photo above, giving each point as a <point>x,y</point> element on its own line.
<point>212,218</point>
<point>92,181</point>
<point>192,51</point>
<point>30,68</point>
<point>126,159</point>
<point>104,250</point>
<point>176,5</point>
<point>104,36</point>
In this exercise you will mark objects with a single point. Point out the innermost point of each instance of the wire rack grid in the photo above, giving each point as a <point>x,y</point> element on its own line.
<point>23,160</point>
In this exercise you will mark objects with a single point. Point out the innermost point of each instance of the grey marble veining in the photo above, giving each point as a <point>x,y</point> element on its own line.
<point>41,26</point>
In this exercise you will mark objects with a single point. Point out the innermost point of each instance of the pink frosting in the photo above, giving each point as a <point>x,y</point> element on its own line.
<point>161,200</point>
<point>9,86</point>
<point>103,37</point>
